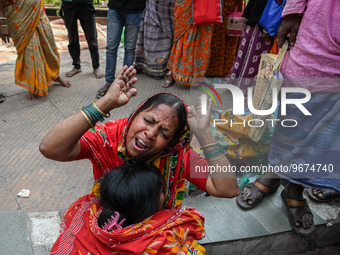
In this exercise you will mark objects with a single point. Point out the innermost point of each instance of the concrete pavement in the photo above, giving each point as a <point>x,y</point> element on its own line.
<point>29,225</point>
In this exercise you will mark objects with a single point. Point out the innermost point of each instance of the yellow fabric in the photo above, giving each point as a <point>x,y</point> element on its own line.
<point>38,62</point>
<point>196,249</point>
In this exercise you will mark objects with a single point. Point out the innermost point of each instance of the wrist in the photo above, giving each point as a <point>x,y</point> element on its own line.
<point>105,105</point>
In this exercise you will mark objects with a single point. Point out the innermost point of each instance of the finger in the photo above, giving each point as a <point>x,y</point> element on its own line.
<point>209,106</point>
<point>131,83</point>
<point>121,72</point>
<point>281,35</point>
<point>131,92</point>
<point>128,74</point>
<point>293,34</point>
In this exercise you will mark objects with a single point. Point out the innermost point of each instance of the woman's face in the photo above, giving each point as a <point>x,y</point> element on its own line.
<point>151,131</point>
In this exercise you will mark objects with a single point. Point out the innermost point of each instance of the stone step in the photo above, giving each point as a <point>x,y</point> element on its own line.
<point>229,229</point>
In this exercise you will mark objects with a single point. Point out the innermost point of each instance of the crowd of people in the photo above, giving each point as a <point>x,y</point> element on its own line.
<point>139,178</point>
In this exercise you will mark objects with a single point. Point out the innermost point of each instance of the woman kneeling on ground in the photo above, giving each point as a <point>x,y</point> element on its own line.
<point>157,133</point>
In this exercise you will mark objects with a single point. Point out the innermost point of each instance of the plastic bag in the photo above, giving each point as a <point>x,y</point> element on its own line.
<point>207,11</point>
<point>271,16</point>
<point>235,23</point>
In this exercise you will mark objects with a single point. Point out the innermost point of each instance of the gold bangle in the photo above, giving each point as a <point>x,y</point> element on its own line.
<point>3,25</point>
<point>219,157</point>
<point>210,145</point>
<point>105,115</point>
<point>87,119</point>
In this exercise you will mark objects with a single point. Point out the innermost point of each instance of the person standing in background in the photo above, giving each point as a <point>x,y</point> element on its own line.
<point>155,38</point>
<point>122,13</point>
<point>38,61</point>
<point>82,10</point>
<point>190,53</point>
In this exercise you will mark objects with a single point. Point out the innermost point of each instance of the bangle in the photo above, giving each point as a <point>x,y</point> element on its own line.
<point>3,18</point>
<point>3,25</point>
<point>210,145</point>
<point>217,157</point>
<point>214,152</point>
<point>87,119</point>
<point>105,115</point>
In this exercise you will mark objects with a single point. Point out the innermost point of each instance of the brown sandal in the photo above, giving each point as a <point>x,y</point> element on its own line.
<point>254,189</point>
<point>297,217</point>
<point>328,194</point>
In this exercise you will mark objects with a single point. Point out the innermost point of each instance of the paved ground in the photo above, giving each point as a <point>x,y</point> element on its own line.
<point>54,185</point>
<point>23,124</point>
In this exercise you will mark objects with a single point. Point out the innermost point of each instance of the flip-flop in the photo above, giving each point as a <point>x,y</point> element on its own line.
<point>329,195</point>
<point>2,97</point>
<point>254,189</point>
<point>102,91</point>
<point>294,203</point>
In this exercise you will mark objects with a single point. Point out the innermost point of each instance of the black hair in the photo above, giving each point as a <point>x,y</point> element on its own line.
<point>133,190</point>
<point>174,102</point>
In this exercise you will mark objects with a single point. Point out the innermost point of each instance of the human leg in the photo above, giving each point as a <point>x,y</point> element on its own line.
<point>298,212</point>
<point>62,82</point>
<point>70,20</point>
<point>132,26</point>
<point>323,195</point>
<point>115,23</point>
<point>88,23</point>
<point>254,193</point>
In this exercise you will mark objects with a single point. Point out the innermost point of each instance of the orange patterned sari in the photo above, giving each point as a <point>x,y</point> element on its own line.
<point>172,231</point>
<point>190,54</point>
<point>37,64</point>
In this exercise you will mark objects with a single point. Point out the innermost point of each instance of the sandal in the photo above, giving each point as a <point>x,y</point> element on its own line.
<point>328,194</point>
<point>254,189</point>
<point>102,91</point>
<point>168,81</point>
<point>73,72</point>
<point>297,217</point>
<point>2,97</point>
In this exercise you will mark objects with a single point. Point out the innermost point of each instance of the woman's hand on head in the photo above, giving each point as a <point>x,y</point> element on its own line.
<point>199,123</point>
<point>121,89</point>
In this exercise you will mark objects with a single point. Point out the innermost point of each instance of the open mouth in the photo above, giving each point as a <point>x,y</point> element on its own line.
<point>141,144</point>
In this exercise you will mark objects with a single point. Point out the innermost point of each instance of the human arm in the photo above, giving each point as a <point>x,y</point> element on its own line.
<point>62,142</point>
<point>219,184</point>
<point>291,19</point>
<point>4,32</point>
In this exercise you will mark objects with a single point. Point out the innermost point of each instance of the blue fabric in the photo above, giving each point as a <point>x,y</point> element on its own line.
<point>271,16</point>
<point>315,142</point>
<point>115,23</point>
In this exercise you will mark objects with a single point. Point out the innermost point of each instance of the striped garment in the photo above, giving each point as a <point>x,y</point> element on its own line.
<point>155,38</point>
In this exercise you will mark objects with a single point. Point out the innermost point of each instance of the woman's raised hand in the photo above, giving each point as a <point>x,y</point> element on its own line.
<point>200,123</point>
<point>121,89</point>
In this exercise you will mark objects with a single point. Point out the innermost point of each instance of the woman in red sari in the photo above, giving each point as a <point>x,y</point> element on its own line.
<point>38,61</point>
<point>156,133</point>
<point>127,219</point>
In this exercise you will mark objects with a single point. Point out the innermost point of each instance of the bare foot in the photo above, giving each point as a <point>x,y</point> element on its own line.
<point>30,96</point>
<point>64,83</point>
<point>74,71</point>
<point>98,73</point>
